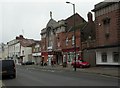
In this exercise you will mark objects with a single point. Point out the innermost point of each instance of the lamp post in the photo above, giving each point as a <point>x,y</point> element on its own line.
<point>74,33</point>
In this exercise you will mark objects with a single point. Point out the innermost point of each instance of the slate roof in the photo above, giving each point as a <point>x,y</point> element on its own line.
<point>88,30</point>
<point>52,23</point>
<point>79,23</point>
<point>26,42</point>
<point>103,5</point>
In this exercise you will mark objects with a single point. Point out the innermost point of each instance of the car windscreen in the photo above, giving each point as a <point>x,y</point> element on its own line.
<point>7,63</point>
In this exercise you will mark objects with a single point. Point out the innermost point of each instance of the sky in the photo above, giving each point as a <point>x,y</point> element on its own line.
<point>29,17</point>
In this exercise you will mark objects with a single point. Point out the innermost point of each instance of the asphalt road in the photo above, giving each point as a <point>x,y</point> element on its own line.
<point>36,77</point>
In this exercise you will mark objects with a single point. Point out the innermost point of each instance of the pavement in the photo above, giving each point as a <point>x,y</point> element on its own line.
<point>1,84</point>
<point>106,71</point>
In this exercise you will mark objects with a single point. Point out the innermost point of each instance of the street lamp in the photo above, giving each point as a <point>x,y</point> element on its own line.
<point>74,32</point>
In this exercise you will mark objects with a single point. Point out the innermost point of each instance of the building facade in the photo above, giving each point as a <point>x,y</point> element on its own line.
<point>36,52</point>
<point>13,49</point>
<point>88,41</point>
<point>20,49</point>
<point>3,51</point>
<point>70,39</point>
<point>107,22</point>
<point>57,39</point>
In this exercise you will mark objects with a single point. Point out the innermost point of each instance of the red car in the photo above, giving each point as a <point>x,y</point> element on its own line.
<point>80,64</point>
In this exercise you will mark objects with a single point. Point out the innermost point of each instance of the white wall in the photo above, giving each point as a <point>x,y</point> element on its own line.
<point>5,53</point>
<point>27,51</point>
<point>17,48</point>
<point>109,52</point>
<point>0,53</point>
<point>12,47</point>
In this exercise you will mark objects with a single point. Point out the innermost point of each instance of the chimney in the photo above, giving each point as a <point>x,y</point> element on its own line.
<point>20,37</point>
<point>90,17</point>
<point>17,37</point>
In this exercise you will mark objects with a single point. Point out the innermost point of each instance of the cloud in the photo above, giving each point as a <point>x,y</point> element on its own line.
<point>48,1</point>
<point>18,15</point>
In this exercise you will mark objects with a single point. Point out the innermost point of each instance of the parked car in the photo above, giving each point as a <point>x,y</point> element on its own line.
<point>28,63</point>
<point>7,68</point>
<point>80,63</point>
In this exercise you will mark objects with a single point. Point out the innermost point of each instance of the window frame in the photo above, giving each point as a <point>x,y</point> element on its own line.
<point>114,59</point>
<point>104,57</point>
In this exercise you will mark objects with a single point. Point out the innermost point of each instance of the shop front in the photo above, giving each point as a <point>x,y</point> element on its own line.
<point>69,54</point>
<point>44,56</point>
<point>36,58</point>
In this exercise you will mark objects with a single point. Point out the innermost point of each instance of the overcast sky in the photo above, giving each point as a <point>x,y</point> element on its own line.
<point>28,17</point>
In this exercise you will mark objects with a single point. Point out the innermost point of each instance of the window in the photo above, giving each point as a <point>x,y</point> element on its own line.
<point>67,41</point>
<point>106,23</point>
<point>104,57</point>
<point>115,56</point>
<point>34,50</point>
<point>73,38</point>
<point>68,56</point>
<point>22,52</point>
<point>37,49</point>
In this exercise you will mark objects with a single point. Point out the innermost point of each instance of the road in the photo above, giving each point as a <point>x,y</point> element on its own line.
<point>27,76</point>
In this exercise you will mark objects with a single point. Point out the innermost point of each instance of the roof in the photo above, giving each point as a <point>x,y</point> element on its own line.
<point>27,42</point>
<point>52,23</point>
<point>79,26</point>
<point>43,31</point>
<point>102,5</point>
<point>103,47</point>
<point>76,14</point>
<point>79,22</point>
<point>88,30</point>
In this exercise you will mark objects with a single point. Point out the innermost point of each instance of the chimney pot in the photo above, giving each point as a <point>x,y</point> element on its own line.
<point>90,16</point>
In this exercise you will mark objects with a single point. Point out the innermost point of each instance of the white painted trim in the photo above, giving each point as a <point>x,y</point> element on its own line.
<point>109,52</point>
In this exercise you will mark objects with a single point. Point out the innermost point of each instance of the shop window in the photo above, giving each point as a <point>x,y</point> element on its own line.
<point>115,56</point>
<point>104,57</point>
<point>68,56</point>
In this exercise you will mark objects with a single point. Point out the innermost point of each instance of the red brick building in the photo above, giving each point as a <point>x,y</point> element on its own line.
<point>57,39</point>
<point>107,22</point>
<point>88,40</point>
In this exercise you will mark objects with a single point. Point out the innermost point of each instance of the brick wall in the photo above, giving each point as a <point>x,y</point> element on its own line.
<point>114,28</point>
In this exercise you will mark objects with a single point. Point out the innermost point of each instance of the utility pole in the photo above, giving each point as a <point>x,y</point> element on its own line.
<point>74,32</point>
